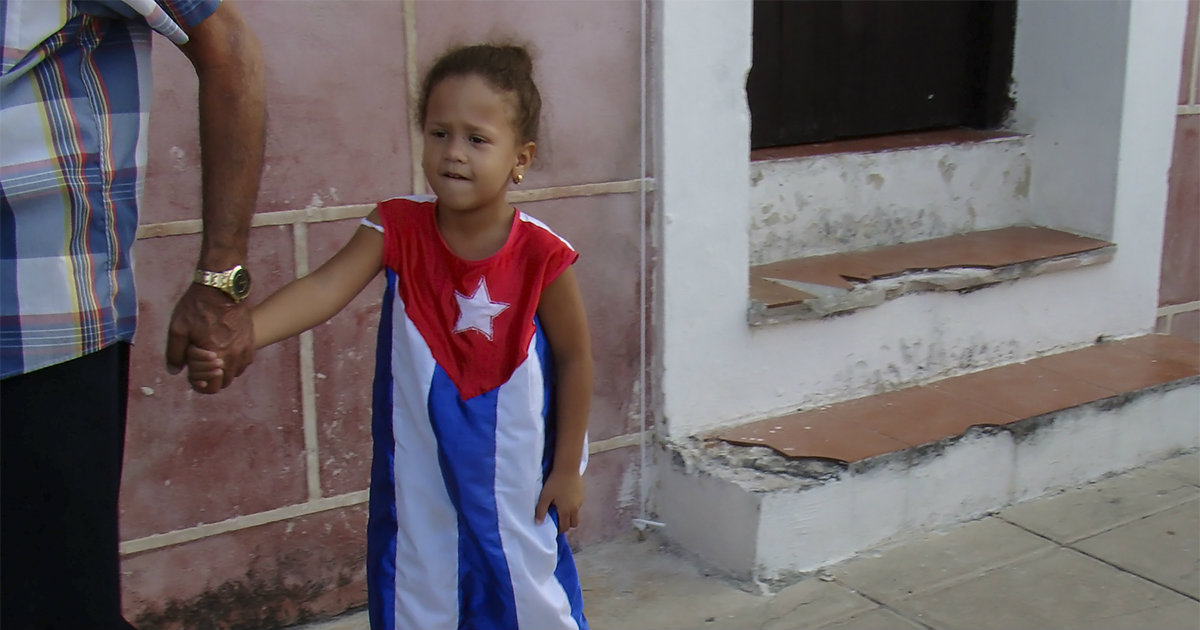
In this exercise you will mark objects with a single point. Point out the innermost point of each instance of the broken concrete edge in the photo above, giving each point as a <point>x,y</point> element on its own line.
<point>760,468</point>
<point>750,481</point>
<point>961,280</point>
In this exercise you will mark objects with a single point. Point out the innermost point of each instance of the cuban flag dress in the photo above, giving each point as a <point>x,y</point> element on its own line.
<point>463,430</point>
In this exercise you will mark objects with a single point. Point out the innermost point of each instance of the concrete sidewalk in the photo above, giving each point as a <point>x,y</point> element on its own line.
<point>1123,552</point>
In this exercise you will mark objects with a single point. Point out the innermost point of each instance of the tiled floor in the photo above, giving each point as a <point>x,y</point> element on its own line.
<point>884,423</point>
<point>1121,552</point>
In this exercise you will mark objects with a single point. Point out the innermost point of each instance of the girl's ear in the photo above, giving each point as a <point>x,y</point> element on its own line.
<point>525,155</point>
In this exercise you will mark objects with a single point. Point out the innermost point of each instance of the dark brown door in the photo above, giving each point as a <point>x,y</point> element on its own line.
<point>830,69</point>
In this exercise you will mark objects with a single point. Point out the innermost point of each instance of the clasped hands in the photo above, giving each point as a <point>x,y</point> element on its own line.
<point>213,336</point>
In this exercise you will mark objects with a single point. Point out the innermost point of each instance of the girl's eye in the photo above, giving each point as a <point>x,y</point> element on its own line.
<point>478,139</point>
<point>438,133</point>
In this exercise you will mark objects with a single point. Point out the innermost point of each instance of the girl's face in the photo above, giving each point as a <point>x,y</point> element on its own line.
<point>471,148</point>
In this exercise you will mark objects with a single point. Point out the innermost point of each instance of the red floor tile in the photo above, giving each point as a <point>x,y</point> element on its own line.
<point>1022,390</point>
<point>874,425</point>
<point>819,433</point>
<point>1118,367</point>
<point>1165,347</point>
<point>875,144</point>
<point>774,295</point>
<point>920,415</point>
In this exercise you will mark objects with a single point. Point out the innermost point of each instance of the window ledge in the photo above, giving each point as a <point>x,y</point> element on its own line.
<point>879,144</point>
<point>821,286</point>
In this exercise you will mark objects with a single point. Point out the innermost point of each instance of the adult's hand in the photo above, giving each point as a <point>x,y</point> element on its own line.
<point>228,62</point>
<point>206,318</point>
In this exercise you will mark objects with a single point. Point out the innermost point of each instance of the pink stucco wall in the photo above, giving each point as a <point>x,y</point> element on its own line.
<point>1179,286</point>
<point>338,135</point>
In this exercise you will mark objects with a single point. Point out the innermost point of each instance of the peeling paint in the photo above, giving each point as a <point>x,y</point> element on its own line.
<point>947,169</point>
<point>954,479</point>
<point>179,159</point>
<point>834,203</point>
<point>1022,188</point>
<point>251,604</point>
<point>918,363</point>
<point>765,460</point>
<point>627,495</point>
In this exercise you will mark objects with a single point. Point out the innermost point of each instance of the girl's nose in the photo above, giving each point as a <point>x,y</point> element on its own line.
<point>456,150</point>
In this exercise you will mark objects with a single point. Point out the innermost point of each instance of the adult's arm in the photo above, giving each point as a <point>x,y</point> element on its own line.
<point>228,62</point>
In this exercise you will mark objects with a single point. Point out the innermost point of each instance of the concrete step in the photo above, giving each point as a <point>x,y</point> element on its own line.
<point>786,496</point>
<point>819,286</point>
<point>817,199</point>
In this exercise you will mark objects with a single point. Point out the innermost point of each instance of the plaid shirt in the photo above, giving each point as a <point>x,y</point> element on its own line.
<point>74,99</point>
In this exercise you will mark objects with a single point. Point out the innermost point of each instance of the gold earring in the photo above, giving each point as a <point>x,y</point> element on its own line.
<point>517,177</point>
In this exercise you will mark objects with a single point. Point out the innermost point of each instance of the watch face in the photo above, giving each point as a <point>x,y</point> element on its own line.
<point>241,283</point>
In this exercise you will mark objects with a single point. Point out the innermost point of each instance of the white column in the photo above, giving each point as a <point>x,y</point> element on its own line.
<point>702,56</point>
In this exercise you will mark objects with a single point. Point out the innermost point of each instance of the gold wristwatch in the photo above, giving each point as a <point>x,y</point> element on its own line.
<point>234,282</point>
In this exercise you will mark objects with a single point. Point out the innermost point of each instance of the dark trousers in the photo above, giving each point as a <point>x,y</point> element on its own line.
<point>61,446</point>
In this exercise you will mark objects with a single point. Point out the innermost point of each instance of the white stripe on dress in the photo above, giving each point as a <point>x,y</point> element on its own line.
<point>374,226</point>
<point>528,219</point>
<point>531,549</point>
<point>426,547</point>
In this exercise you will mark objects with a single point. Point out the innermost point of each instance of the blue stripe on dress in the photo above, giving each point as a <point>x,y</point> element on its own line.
<point>546,360</point>
<point>565,571</point>
<point>466,436</point>
<point>381,522</point>
<point>568,577</point>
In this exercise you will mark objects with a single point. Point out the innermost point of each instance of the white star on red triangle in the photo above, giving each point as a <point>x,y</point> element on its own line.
<point>476,311</point>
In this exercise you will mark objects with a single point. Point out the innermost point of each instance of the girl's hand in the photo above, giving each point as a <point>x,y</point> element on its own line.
<point>204,367</point>
<point>564,490</point>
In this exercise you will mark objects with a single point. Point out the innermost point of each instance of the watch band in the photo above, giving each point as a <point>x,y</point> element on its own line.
<point>234,282</point>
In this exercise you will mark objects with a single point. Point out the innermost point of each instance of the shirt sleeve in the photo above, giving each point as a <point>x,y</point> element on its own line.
<point>389,219</point>
<point>560,256</point>
<point>186,13</point>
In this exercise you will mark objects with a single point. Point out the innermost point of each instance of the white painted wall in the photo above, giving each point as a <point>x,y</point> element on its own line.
<point>702,57</point>
<point>1147,134</point>
<point>1102,140</point>
<point>824,204</point>
<point>1068,68</point>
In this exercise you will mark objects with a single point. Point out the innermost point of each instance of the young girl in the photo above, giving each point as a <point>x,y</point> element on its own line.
<point>483,371</point>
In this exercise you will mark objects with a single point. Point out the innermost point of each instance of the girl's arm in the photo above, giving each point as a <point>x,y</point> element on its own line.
<point>565,323</point>
<point>304,302</point>
<point>313,299</point>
